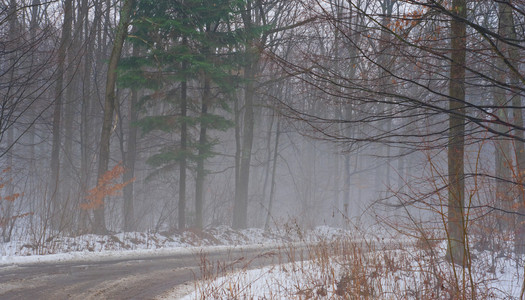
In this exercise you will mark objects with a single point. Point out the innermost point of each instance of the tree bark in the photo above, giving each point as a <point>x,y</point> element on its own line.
<point>503,156</point>
<point>241,195</point>
<point>86,150</point>
<point>251,56</point>
<point>456,251</point>
<point>183,144</point>
<point>109,106</point>
<point>6,207</point>
<point>33,28</point>
<point>386,61</point>
<point>238,146</point>
<point>507,29</point>
<point>69,186</point>
<point>268,159</point>
<point>131,156</point>
<point>274,167</point>
<point>203,150</point>
<point>59,88</point>
<point>73,84</point>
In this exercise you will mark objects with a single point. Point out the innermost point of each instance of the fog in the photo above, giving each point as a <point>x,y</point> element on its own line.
<point>122,116</point>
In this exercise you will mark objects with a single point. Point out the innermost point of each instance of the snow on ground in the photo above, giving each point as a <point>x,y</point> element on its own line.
<point>85,256</point>
<point>385,273</point>
<point>411,273</point>
<point>309,281</point>
<point>92,247</point>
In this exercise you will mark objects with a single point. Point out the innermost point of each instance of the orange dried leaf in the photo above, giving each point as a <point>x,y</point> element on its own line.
<point>106,187</point>
<point>12,197</point>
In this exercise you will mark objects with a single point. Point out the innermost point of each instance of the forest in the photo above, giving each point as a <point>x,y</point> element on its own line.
<point>144,115</point>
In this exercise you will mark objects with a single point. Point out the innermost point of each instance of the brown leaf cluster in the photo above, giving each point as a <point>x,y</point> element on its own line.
<point>107,186</point>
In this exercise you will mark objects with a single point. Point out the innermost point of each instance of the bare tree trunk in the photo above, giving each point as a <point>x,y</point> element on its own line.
<point>348,114</point>
<point>400,171</point>
<point>268,159</point>
<point>240,211</point>
<point>456,250</point>
<point>507,28</point>
<point>274,167</point>
<point>109,106</point>
<point>203,149</point>
<point>6,207</point>
<point>385,60</point>
<point>69,187</point>
<point>129,163</point>
<point>59,87</point>
<point>240,205</point>
<point>237,162</point>
<point>107,22</point>
<point>130,157</point>
<point>183,144</point>
<point>503,156</point>
<point>86,146</point>
<point>33,28</point>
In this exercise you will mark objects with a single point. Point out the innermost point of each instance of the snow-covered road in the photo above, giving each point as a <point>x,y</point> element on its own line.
<point>132,276</point>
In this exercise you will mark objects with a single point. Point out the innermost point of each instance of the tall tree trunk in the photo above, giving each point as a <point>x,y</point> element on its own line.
<point>349,132</point>
<point>240,205</point>
<point>6,207</point>
<point>109,106</point>
<point>203,150</point>
<point>238,146</point>
<point>59,87</point>
<point>503,156</point>
<point>70,103</point>
<point>507,30</point>
<point>268,159</point>
<point>33,28</point>
<point>86,145</point>
<point>69,109</point>
<point>183,143</point>
<point>129,163</point>
<point>240,210</point>
<point>274,167</point>
<point>130,158</point>
<point>456,250</point>
<point>401,170</point>
<point>106,28</point>
<point>386,62</point>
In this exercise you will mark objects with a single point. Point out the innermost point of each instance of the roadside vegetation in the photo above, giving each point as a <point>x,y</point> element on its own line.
<point>364,266</point>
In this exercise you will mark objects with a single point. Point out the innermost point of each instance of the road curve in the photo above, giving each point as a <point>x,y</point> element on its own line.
<point>148,277</point>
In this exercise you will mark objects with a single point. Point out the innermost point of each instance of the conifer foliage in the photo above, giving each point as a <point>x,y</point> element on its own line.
<point>186,67</point>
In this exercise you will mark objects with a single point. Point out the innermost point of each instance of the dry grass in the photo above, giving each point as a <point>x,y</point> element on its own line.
<point>356,268</point>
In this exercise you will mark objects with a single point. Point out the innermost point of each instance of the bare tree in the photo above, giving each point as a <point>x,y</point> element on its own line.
<point>456,176</point>
<point>109,105</point>
<point>57,113</point>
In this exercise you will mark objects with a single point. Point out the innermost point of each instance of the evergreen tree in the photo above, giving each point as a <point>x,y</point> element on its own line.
<point>188,44</point>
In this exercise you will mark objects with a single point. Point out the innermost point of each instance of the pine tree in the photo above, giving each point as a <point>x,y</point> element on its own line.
<point>188,44</point>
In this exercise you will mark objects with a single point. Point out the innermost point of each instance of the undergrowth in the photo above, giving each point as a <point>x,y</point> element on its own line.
<point>358,268</point>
